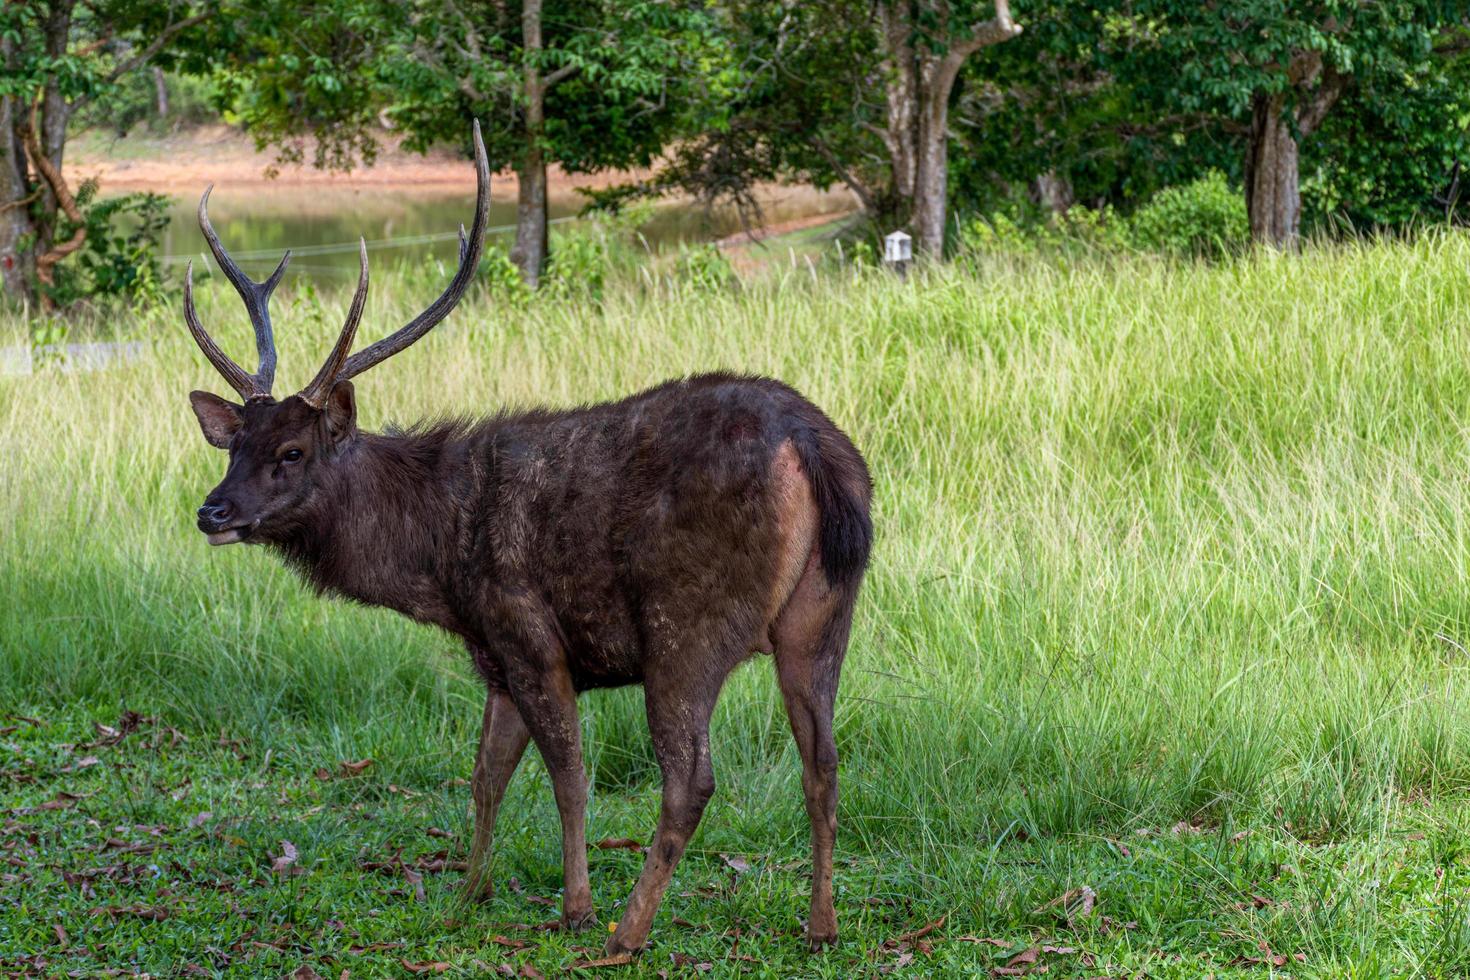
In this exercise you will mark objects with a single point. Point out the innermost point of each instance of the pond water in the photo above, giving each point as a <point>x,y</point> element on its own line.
<point>321,225</point>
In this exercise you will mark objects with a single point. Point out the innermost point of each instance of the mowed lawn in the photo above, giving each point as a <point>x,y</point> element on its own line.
<point>1162,667</point>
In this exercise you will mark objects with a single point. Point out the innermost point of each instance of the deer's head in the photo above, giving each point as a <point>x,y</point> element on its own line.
<point>278,449</point>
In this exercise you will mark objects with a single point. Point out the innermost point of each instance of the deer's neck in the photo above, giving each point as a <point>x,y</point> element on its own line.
<point>384,529</point>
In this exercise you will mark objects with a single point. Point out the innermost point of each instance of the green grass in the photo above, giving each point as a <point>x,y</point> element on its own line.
<point>1160,545</point>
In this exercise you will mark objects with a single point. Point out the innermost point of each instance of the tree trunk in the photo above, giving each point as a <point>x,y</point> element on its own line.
<point>919,80</point>
<point>1272,181</point>
<point>1273,197</point>
<point>1054,192</point>
<point>931,182</point>
<point>17,251</point>
<point>160,93</point>
<point>901,136</point>
<point>54,115</point>
<point>17,254</point>
<point>531,247</point>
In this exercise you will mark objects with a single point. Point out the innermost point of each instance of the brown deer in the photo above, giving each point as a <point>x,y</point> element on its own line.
<point>661,539</point>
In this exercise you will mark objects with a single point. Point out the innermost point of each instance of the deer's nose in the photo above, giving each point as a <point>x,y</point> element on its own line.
<point>214,515</point>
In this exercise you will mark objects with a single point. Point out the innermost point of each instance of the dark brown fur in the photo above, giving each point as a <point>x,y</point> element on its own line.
<point>658,540</point>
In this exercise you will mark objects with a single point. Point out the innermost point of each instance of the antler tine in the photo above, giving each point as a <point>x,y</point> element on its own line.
<point>469,258</point>
<point>243,383</point>
<point>315,394</point>
<point>256,296</point>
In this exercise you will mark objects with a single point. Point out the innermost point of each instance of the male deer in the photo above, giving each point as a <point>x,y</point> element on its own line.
<point>660,540</point>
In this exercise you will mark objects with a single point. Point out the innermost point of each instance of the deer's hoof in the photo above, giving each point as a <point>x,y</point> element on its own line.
<point>818,941</point>
<point>613,949</point>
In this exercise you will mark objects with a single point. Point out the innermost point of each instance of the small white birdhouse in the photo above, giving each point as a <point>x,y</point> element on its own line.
<point>897,247</point>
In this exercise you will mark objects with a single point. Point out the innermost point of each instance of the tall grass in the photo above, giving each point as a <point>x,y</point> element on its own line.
<point>1156,540</point>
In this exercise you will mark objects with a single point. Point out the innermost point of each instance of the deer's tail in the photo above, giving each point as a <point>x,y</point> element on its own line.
<point>843,489</point>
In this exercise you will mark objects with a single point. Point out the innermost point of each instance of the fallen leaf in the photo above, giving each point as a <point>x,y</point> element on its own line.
<point>61,936</point>
<point>417,881</point>
<point>353,768</point>
<point>286,858</point>
<point>86,762</point>
<point>737,863</point>
<point>200,819</point>
<point>903,960</point>
<point>156,913</point>
<point>436,832</point>
<point>617,959</point>
<point>305,973</point>
<point>909,937</point>
<point>527,970</point>
<point>1076,903</point>
<point>437,966</point>
<point>1027,957</point>
<point>372,948</point>
<point>683,959</point>
<point>324,774</point>
<point>509,943</point>
<point>627,844</point>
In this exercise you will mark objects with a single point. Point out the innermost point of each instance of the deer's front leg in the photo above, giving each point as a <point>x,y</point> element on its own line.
<point>503,738</point>
<point>540,684</point>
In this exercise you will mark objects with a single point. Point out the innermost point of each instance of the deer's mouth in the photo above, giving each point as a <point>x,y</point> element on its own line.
<point>230,535</point>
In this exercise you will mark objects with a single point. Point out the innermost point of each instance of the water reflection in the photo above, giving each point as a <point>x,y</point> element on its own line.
<point>321,225</point>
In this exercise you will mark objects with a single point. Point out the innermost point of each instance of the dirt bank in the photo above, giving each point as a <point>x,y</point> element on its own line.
<point>225,156</point>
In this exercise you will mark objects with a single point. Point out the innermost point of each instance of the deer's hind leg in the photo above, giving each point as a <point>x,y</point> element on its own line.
<point>810,639</point>
<point>503,738</point>
<point>679,701</point>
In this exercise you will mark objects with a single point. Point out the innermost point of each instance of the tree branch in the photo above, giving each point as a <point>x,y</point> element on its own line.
<point>986,33</point>
<point>64,199</point>
<point>843,174</point>
<point>147,54</point>
<point>994,31</point>
<point>561,74</point>
<point>1315,107</point>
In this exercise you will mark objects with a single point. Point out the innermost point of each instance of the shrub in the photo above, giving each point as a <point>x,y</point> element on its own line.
<point>502,280</point>
<point>1203,218</point>
<point>704,267</point>
<point>119,261</point>
<point>579,264</point>
<point>1078,228</point>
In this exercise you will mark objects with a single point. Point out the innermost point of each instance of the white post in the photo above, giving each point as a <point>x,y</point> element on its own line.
<point>898,252</point>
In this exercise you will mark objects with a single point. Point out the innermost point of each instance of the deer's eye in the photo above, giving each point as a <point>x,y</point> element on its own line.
<point>291,456</point>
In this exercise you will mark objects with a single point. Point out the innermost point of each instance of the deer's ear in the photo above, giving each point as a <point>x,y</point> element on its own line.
<point>341,411</point>
<point>217,418</point>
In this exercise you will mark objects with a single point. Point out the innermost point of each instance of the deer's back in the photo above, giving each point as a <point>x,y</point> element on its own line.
<point>639,520</point>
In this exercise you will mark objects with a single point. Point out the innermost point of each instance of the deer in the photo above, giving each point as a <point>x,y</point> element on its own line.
<point>661,540</point>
